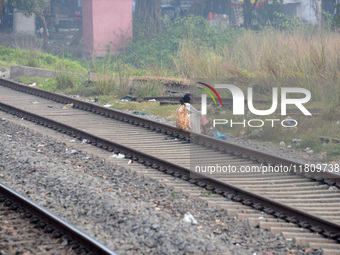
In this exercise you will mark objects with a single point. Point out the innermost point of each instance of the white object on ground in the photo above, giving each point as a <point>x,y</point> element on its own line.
<point>120,156</point>
<point>189,219</point>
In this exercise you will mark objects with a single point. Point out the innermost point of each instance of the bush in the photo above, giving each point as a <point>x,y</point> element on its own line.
<point>66,81</point>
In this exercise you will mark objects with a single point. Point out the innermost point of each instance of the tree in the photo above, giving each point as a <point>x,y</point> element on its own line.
<point>29,7</point>
<point>248,9</point>
<point>200,7</point>
<point>148,18</point>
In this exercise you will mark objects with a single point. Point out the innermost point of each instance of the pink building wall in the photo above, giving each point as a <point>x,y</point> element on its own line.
<point>106,21</point>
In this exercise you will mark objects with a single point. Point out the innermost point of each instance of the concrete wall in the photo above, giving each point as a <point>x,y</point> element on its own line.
<point>17,71</point>
<point>106,23</point>
<point>23,24</point>
<point>310,10</point>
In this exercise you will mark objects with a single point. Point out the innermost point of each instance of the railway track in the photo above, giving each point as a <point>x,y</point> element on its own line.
<point>27,228</point>
<point>309,200</point>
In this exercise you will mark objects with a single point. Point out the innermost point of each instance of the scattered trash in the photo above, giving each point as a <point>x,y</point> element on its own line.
<point>108,105</point>
<point>85,158</point>
<point>35,102</point>
<point>31,171</point>
<point>127,98</point>
<point>71,152</point>
<point>220,136</point>
<point>72,141</point>
<point>119,156</point>
<point>310,152</point>
<point>139,113</point>
<point>3,98</point>
<point>189,219</point>
<point>296,140</point>
<point>282,143</point>
<point>333,188</point>
<point>152,100</point>
<point>84,141</point>
<point>290,121</point>
<point>289,239</point>
<point>32,84</point>
<point>9,136</point>
<point>41,145</point>
<point>3,119</point>
<point>130,161</point>
<point>68,106</point>
<point>261,218</point>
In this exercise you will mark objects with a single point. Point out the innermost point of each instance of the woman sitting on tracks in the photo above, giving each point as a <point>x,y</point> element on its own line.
<point>187,117</point>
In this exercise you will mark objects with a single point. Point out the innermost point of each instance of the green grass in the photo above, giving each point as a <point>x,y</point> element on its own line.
<point>151,108</point>
<point>34,58</point>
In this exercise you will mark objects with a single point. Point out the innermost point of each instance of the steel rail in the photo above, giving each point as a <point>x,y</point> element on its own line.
<point>218,145</point>
<point>324,227</point>
<point>51,223</point>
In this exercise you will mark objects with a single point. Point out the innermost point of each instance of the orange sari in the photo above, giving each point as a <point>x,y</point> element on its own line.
<point>183,118</point>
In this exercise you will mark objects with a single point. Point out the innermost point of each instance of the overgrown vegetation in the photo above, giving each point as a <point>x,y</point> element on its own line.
<point>35,58</point>
<point>287,53</point>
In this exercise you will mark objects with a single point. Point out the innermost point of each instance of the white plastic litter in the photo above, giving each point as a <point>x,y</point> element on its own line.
<point>261,218</point>
<point>125,100</point>
<point>152,100</point>
<point>108,105</point>
<point>282,143</point>
<point>119,156</point>
<point>72,141</point>
<point>189,219</point>
<point>310,152</point>
<point>71,152</point>
<point>84,141</point>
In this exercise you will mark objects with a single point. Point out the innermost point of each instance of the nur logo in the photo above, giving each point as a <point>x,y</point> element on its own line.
<point>238,99</point>
<point>204,97</point>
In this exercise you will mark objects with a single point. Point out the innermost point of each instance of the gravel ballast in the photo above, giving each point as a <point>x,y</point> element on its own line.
<point>128,213</point>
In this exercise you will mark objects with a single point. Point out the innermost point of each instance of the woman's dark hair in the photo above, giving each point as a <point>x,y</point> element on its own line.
<point>185,99</point>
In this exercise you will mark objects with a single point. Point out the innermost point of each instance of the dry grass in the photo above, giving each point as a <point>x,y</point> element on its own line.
<point>266,54</point>
<point>312,60</point>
